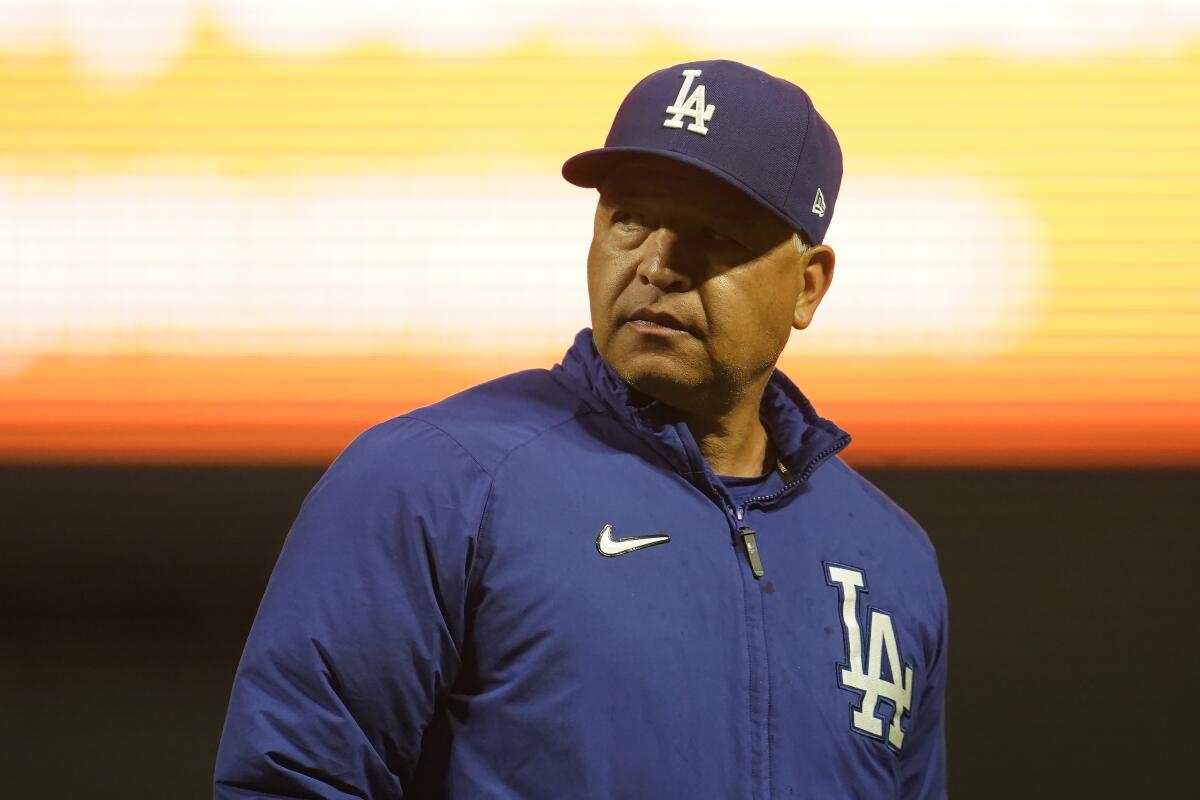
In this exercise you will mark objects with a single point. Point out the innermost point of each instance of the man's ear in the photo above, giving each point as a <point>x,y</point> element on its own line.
<point>817,263</point>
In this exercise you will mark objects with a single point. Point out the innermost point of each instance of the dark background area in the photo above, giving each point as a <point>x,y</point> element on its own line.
<point>127,594</point>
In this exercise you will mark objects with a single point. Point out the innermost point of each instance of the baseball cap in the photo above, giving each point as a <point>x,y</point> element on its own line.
<point>759,133</point>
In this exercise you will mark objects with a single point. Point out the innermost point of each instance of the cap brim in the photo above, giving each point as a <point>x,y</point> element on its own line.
<point>589,168</point>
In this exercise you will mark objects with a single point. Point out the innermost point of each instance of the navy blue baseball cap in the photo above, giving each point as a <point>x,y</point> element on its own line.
<point>759,133</point>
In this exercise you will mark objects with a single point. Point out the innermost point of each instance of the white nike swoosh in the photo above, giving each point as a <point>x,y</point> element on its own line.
<point>608,546</point>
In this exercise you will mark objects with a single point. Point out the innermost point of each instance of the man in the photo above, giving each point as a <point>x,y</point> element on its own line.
<point>644,573</point>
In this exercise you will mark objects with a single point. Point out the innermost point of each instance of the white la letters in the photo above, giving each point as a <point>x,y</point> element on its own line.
<point>693,106</point>
<point>868,679</point>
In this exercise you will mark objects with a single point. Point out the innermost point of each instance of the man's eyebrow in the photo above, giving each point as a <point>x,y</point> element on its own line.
<point>621,200</point>
<point>607,189</point>
<point>719,214</point>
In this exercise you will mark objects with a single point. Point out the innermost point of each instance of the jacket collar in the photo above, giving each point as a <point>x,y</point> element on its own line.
<point>803,439</point>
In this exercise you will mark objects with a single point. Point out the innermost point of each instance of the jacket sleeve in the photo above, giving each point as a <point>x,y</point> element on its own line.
<point>923,759</point>
<point>361,625</point>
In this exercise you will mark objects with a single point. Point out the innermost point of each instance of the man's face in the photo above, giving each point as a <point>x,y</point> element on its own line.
<point>693,285</point>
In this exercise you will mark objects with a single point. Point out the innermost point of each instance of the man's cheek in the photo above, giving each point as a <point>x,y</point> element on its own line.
<point>609,291</point>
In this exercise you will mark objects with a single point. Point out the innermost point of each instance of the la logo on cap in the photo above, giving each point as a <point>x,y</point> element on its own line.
<point>693,106</point>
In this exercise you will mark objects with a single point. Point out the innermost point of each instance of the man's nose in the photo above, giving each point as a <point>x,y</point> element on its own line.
<point>664,264</point>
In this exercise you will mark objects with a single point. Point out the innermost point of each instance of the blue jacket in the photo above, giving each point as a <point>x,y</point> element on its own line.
<point>443,620</point>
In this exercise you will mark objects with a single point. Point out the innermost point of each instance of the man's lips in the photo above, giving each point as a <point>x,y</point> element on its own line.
<point>650,321</point>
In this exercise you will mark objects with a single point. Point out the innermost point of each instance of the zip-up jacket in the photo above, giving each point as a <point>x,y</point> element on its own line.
<point>538,589</point>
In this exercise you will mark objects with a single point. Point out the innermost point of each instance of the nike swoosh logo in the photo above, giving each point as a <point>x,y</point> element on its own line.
<point>608,546</point>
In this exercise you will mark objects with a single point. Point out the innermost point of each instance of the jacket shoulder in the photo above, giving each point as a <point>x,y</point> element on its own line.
<point>493,419</point>
<point>899,538</point>
<point>910,533</point>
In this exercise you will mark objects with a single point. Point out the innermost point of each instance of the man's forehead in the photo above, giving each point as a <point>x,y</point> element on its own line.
<point>648,172</point>
<point>681,184</point>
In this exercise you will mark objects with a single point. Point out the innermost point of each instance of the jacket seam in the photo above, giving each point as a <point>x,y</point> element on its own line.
<point>893,511</point>
<point>469,588</point>
<point>753,734</point>
<point>450,436</point>
<point>487,500</point>
<point>769,764</point>
<point>800,154</point>
<point>538,435</point>
<point>492,472</point>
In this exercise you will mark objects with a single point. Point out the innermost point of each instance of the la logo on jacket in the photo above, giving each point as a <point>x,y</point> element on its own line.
<point>867,679</point>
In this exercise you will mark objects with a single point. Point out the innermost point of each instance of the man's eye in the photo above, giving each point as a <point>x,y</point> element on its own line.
<point>627,220</point>
<point>721,238</point>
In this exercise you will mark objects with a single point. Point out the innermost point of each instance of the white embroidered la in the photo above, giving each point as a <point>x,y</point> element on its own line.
<point>868,678</point>
<point>693,106</point>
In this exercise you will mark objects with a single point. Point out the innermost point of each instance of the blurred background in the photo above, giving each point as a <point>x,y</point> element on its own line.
<point>234,233</point>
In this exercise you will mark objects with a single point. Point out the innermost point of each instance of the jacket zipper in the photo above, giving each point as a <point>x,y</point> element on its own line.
<point>756,631</point>
<point>747,533</point>
<point>749,542</point>
<point>759,703</point>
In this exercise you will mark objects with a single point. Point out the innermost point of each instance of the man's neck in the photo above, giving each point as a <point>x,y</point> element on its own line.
<point>734,442</point>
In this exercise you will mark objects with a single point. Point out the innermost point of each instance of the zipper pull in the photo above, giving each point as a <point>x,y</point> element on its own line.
<point>751,550</point>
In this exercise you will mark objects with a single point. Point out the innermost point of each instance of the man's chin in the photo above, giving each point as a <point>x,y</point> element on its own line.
<point>666,369</point>
<point>660,376</point>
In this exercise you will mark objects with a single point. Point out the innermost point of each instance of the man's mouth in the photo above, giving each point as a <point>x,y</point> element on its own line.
<point>657,322</point>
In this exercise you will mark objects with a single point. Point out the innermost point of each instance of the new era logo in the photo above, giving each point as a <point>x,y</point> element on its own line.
<point>819,204</point>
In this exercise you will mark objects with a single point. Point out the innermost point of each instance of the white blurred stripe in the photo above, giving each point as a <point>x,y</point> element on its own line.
<point>139,37</point>
<point>183,264</point>
<point>927,264</point>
